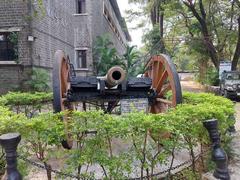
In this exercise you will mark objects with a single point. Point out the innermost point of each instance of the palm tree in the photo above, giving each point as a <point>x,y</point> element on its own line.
<point>105,56</point>
<point>130,57</point>
<point>155,9</point>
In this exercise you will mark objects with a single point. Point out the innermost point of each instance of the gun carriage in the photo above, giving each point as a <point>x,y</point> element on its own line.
<point>159,79</point>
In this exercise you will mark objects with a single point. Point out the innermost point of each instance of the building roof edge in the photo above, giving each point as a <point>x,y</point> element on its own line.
<point>121,20</point>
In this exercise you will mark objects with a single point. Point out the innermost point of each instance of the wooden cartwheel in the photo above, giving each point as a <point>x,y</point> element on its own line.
<point>160,85</point>
<point>61,85</point>
<point>165,83</point>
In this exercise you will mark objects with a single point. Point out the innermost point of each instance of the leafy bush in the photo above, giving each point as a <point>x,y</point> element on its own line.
<point>28,103</point>
<point>9,121</point>
<point>211,77</point>
<point>201,98</point>
<point>105,55</point>
<point>19,98</point>
<point>39,79</point>
<point>149,138</point>
<point>3,101</point>
<point>184,124</point>
<point>40,134</point>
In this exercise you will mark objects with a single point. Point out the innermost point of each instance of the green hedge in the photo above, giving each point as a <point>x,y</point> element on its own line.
<point>19,98</point>
<point>177,128</point>
<point>28,103</point>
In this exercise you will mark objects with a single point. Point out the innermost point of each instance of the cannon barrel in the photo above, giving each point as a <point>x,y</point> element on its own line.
<point>115,76</point>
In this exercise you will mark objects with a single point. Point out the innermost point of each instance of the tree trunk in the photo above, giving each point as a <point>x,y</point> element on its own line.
<point>205,33</point>
<point>161,23</point>
<point>202,70</point>
<point>237,51</point>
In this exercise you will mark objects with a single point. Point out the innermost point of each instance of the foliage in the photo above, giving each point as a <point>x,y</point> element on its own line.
<point>39,133</point>
<point>39,79</point>
<point>148,139</point>
<point>133,128</point>
<point>28,103</point>
<point>13,38</point>
<point>152,39</point>
<point>9,121</point>
<point>208,30</point>
<point>200,98</point>
<point>131,57</point>
<point>105,56</point>
<point>24,98</point>
<point>211,77</point>
<point>3,101</point>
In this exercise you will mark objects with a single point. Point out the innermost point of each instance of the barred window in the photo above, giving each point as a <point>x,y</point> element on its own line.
<point>8,46</point>
<point>81,58</point>
<point>81,6</point>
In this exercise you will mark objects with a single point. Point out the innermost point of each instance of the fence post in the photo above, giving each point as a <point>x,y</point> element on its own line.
<point>218,154</point>
<point>231,128</point>
<point>9,142</point>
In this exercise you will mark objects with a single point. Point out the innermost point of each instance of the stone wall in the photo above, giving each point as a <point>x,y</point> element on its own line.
<point>10,77</point>
<point>100,25</point>
<point>52,30</point>
<point>14,18</point>
<point>56,26</point>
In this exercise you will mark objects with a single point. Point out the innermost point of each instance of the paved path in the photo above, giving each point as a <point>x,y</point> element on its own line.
<point>188,83</point>
<point>234,166</point>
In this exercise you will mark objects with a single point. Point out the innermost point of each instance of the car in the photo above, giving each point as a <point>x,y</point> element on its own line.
<point>230,84</point>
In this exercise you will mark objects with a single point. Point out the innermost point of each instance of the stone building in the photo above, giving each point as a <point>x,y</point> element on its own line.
<point>30,34</point>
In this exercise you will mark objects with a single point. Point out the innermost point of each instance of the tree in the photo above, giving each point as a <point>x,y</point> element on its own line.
<point>131,57</point>
<point>105,55</point>
<point>218,22</point>
<point>155,10</point>
<point>209,28</point>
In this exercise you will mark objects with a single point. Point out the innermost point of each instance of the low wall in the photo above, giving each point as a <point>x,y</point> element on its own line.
<point>212,89</point>
<point>10,77</point>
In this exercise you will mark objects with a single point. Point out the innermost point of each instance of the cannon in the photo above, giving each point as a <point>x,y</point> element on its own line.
<point>159,84</point>
<point>115,76</point>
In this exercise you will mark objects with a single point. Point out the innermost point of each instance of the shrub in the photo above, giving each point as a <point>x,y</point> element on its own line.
<point>211,77</point>
<point>39,79</point>
<point>28,103</point>
<point>184,124</point>
<point>40,134</point>
<point>9,121</point>
<point>149,138</point>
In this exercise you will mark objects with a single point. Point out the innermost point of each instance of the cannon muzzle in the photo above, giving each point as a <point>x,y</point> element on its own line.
<point>115,76</point>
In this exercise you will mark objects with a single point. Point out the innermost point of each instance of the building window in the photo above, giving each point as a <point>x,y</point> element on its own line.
<point>81,6</point>
<point>111,22</point>
<point>8,46</point>
<point>81,58</point>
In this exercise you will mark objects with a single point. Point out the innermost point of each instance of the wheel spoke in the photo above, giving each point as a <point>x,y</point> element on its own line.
<point>155,69</point>
<point>165,89</point>
<point>165,101</point>
<point>161,81</point>
<point>149,72</point>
